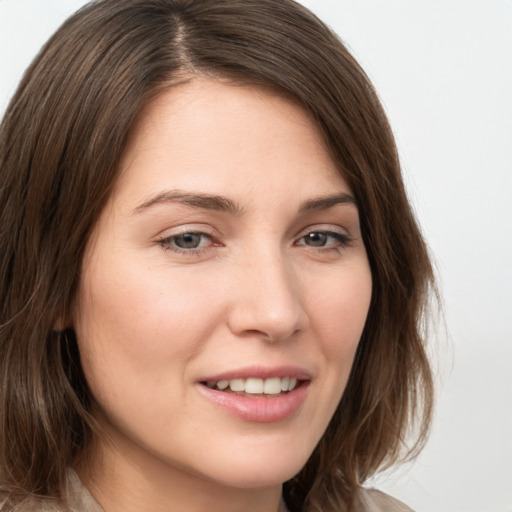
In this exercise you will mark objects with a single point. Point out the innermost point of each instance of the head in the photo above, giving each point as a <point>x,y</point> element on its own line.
<point>63,147</point>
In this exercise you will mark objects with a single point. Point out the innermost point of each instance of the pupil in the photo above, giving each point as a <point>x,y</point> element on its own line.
<point>188,241</point>
<point>317,239</point>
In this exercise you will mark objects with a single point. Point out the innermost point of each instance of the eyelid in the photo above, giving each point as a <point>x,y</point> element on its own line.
<point>196,228</point>
<point>340,234</point>
<point>324,228</point>
<point>165,240</point>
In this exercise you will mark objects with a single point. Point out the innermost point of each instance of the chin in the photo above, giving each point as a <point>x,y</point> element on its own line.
<point>269,467</point>
<point>256,478</point>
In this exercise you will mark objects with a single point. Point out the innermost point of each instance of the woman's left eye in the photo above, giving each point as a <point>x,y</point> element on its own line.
<point>324,239</point>
<point>186,242</point>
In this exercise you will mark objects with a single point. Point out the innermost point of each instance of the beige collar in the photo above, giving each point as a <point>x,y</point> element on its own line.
<point>79,499</point>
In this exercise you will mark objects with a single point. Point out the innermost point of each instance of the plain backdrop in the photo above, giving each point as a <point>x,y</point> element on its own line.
<point>443,69</point>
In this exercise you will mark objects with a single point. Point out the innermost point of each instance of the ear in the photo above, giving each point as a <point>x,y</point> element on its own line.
<point>62,323</point>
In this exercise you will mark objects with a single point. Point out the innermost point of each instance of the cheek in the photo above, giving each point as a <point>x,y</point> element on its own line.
<point>338,316</point>
<point>139,307</point>
<point>135,326</point>
<point>339,306</point>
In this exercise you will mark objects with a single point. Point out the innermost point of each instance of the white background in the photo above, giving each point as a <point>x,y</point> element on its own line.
<point>443,69</point>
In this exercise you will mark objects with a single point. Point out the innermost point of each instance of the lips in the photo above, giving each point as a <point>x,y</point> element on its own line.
<point>258,395</point>
<point>255,385</point>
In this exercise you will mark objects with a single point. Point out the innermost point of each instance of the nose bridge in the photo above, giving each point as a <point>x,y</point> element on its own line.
<point>267,299</point>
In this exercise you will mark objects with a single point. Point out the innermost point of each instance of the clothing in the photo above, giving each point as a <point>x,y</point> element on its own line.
<point>373,500</point>
<point>79,499</point>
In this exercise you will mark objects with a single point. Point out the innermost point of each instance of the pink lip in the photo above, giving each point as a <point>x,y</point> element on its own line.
<point>260,372</point>
<point>258,409</point>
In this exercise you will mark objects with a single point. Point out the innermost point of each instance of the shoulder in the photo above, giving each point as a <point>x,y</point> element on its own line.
<point>31,505</point>
<point>76,498</point>
<point>372,500</point>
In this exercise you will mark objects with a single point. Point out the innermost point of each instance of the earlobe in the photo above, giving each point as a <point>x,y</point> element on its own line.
<point>62,323</point>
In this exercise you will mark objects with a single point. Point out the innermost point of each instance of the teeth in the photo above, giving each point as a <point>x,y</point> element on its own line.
<point>222,384</point>
<point>237,384</point>
<point>252,385</point>
<point>272,386</point>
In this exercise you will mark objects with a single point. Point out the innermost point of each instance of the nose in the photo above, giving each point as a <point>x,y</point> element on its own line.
<point>266,299</point>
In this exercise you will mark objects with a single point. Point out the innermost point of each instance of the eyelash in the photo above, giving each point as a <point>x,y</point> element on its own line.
<point>342,240</point>
<point>168,243</point>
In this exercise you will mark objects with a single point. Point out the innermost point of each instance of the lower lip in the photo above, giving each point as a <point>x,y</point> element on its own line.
<point>259,409</point>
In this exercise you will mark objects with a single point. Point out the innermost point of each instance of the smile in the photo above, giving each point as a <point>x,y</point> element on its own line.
<point>257,394</point>
<point>256,386</point>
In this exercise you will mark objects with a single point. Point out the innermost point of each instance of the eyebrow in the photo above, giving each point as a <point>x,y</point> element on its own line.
<point>326,202</point>
<point>194,199</point>
<point>224,204</point>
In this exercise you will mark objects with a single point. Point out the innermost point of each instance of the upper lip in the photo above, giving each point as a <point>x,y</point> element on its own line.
<point>260,372</point>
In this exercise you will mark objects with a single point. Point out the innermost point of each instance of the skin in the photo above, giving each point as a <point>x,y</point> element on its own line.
<point>267,285</point>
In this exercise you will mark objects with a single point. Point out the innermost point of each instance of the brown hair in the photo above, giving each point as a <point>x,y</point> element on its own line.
<point>60,143</point>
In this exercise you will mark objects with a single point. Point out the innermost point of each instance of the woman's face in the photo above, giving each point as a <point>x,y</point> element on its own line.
<point>227,266</point>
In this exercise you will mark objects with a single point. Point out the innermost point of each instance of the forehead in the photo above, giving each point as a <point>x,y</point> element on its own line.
<point>217,136</point>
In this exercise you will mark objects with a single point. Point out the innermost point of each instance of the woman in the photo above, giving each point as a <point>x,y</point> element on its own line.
<point>212,282</point>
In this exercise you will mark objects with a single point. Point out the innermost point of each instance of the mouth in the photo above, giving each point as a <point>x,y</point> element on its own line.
<point>255,386</point>
<point>258,395</point>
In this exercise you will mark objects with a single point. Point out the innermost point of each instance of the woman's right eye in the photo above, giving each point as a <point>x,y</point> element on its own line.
<point>189,242</point>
